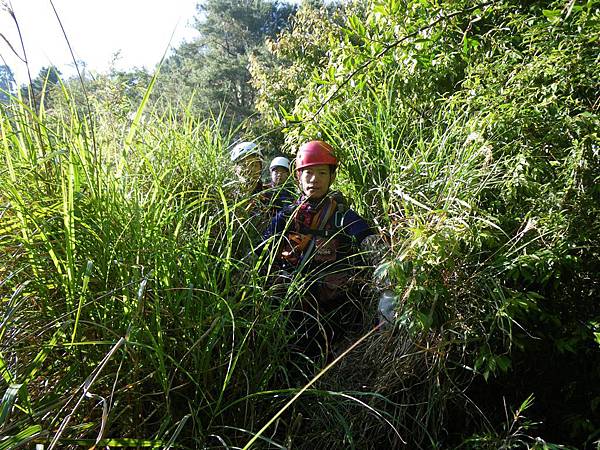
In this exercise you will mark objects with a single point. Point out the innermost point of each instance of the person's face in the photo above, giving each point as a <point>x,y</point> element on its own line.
<point>279,175</point>
<point>315,181</point>
<point>248,169</point>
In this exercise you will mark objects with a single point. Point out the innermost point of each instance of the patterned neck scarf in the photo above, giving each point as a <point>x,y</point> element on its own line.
<point>310,214</point>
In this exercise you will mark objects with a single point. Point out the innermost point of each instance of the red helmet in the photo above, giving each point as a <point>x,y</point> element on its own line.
<point>315,153</point>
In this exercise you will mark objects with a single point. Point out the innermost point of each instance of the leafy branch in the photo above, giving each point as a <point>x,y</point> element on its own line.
<point>391,46</point>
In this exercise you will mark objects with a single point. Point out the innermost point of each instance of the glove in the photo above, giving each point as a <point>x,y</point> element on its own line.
<point>386,308</point>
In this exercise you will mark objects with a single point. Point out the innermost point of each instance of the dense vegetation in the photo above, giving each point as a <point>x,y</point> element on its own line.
<point>132,315</point>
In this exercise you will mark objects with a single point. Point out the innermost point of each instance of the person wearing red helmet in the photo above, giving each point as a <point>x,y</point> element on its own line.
<point>319,240</point>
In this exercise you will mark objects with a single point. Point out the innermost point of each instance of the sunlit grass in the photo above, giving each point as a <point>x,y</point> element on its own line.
<point>136,310</point>
<point>120,271</point>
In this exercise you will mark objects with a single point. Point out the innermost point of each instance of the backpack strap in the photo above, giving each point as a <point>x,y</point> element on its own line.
<point>318,224</point>
<point>320,220</point>
<point>335,209</point>
<point>340,214</point>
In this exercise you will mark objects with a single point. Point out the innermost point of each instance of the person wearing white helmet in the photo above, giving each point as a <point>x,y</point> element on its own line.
<point>280,192</point>
<point>247,158</point>
<point>280,170</point>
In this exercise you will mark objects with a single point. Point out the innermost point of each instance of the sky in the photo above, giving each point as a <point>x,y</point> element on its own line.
<point>140,30</point>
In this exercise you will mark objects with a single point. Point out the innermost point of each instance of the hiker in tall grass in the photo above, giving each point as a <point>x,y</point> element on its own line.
<point>250,202</point>
<point>281,192</point>
<point>247,159</point>
<point>319,238</point>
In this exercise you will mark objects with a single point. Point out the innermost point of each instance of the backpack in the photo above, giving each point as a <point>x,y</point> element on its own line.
<point>303,241</point>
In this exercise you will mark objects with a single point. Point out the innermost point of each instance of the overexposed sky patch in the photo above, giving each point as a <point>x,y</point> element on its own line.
<point>140,30</point>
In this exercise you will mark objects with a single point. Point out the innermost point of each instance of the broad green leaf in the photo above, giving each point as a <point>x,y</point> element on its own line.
<point>20,438</point>
<point>8,401</point>
<point>553,15</point>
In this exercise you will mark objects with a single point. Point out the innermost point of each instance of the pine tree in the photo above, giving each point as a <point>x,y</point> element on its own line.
<point>46,78</point>
<point>215,66</point>
<point>7,83</point>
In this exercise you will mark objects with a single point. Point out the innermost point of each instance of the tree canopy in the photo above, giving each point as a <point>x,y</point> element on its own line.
<point>215,65</point>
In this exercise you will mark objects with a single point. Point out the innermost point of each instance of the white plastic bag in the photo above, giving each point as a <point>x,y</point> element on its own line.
<point>386,308</point>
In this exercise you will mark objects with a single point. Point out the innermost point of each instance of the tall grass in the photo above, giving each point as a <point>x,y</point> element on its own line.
<point>133,310</point>
<point>136,311</point>
<point>428,182</point>
<point>119,318</point>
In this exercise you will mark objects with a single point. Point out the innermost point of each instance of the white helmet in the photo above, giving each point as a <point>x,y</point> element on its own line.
<point>243,149</point>
<point>280,161</point>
